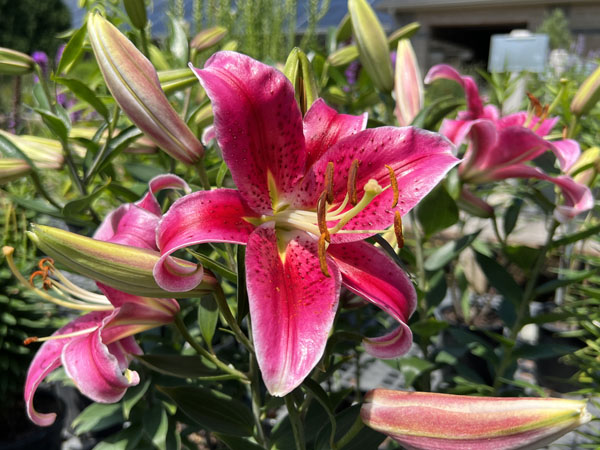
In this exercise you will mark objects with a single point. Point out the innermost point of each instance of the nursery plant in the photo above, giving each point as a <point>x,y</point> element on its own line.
<point>261,230</point>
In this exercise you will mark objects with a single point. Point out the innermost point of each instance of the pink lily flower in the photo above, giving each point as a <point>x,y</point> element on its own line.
<point>431,421</point>
<point>96,348</point>
<point>309,191</point>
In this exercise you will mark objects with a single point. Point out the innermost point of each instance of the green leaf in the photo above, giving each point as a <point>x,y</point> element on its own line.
<point>132,396</point>
<point>72,50</point>
<point>319,393</point>
<point>429,327</point>
<point>126,439</point>
<point>412,367</point>
<point>84,93</point>
<point>565,280</point>
<point>499,278</point>
<point>98,416</point>
<point>223,169</point>
<point>208,315</point>
<point>156,426</point>
<point>591,231</point>
<point>237,443</point>
<point>448,252</point>
<point>511,215</point>
<point>366,438</point>
<point>40,97</point>
<point>56,125</point>
<point>212,410</point>
<point>180,366</point>
<point>437,211</point>
<point>242,291</point>
<point>116,146</point>
<point>76,206</point>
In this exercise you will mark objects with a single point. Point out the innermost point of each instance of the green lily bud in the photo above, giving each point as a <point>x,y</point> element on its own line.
<point>134,84</point>
<point>343,56</point>
<point>372,44</point>
<point>586,168</point>
<point>13,62</point>
<point>299,71</point>
<point>45,153</point>
<point>176,80</point>
<point>208,37</point>
<point>12,169</point>
<point>126,268</point>
<point>136,10</point>
<point>406,32</point>
<point>587,95</point>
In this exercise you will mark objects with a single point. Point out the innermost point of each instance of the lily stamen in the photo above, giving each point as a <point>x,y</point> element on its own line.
<point>322,255</point>
<point>352,175</point>
<point>329,182</point>
<point>398,229</point>
<point>32,339</point>
<point>394,185</point>
<point>322,215</point>
<point>372,189</point>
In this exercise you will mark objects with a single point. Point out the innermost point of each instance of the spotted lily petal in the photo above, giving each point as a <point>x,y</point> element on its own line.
<point>369,272</point>
<point>250,100</point>
<point>134,84</point>
<point>430,421</point>
<point>292,306</point>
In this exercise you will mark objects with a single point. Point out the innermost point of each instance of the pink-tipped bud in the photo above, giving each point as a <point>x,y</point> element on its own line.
<point>421,420</point>
<point>408,85</point>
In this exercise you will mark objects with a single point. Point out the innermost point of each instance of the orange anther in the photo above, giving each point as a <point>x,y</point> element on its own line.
<point>352,182</point>
<point>322,255</point>
<point>322,215</point>
<point>394,184</point>
<point>535,103</point>
<point>30,340</point>
<point>329,182</point>
<point>398,229</point>
<point>46,282</point>
<point>46,263</point>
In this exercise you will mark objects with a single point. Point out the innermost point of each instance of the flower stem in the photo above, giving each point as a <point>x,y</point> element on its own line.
<point>523,310</point>
<point>256,399</point>
<point>224,308</point>
<point>203,175</point>
<point>205,353</point>
<point>297,427</point>
<point>350,434</point>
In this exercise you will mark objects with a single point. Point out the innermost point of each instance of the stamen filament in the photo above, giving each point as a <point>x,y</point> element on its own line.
<point>68,286</point>
<point>372,189</point>
<point>352,175</point>
<point>322,257</point>
<point>340,208</point>
<point>394,184</point>
<point>29,340</point>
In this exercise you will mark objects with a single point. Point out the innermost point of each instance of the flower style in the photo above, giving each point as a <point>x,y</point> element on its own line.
<point>95,349</point>
<point>430,421</point>
<point>499,147</point>
<point>309,191</point>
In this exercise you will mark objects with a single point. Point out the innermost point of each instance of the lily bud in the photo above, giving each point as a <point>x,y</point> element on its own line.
<point>408,84</point>
<point>586,168</point>
<point>134,84</point>
<point>208,37</point>
<point>423,420</point>
<point>372,44</point>
<point>587,95</point>
<point>13,62</point>
<point>12,169</point>
<point>176,80</point>
<point>126,268</point>
<point>136,10</point>
<point>299,71</point>
<point>469,202</point>
<point>45,153</point>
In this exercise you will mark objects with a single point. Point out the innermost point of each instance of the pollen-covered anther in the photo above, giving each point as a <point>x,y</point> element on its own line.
<point>565,132</point>
<point>398,229</point>
<point>329,182</point>
<point>322,255</point>
<point>394,185</point>
<point>535,103</point>
<point>46,281</point>
<point>30,340</point>
<point>322,216</point>
<point>352,175</point>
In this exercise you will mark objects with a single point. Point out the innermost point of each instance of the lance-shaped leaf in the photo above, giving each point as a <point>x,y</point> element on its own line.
<point>13,62</point>
<point>408,85</point>
<point>136,10</point>
<point>134,84</point>
<point>372,44</point>
<point>299,71</point>
<point>122,267</point>
<point>587,95</point>
<point>420,420</point>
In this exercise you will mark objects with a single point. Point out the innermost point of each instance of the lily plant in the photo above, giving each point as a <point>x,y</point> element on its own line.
<point>95,349</point>
<point>310,190</point>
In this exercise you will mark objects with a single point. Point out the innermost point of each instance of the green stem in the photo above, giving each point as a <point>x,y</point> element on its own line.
<point>523,310</point>
<point>421,279</point>
<point>224,308</point>
<point>105,148</point>
<point>256,399</point>
<point>350,434</point>
<point>144,40</point>
<point>297,428</point>
<point>501,240</point>
<point>203,176</point>
<point>205,353</point>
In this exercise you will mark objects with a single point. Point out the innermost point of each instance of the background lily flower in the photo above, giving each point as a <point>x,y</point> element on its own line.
<point>430,421</point>
<point>308,192</point>
<point>95,349</point>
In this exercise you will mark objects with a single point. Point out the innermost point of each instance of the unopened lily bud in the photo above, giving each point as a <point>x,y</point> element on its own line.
<point>469,202</point>
<point>372,44</point>
<point>12,169</point>
<point>176,80</point>
<point>136,10</point>
<point>587,95</point>
<point>126,268</point>
<point>13,62</point>
<point>343,56</point>
<point>45,153</point>
<point>424,420</point>
<point>586,168</point>
<point>408,84</point>
<point>208,37</point>
<point>299,71</point>
<point>134,84</point>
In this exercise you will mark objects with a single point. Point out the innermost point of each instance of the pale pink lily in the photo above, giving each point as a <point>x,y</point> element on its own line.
<point>295,212</point>
<point>430,421</point>
<point>95,349</point>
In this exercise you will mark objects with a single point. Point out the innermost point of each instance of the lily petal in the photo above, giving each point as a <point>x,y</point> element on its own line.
<point>163,308</point>
<point>419,158</point>
<point>444,71</point>
<point>323,127</point>
<point>369,272</point>
<point>47,359</point>
<point>157,184</point>
<point>567,151</point>
<point>257,123</point>
<point>94,369</point>
<point>292,305</point>
<point>203,216</point>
